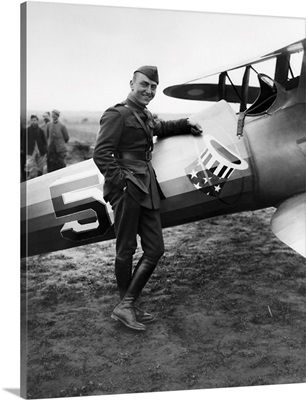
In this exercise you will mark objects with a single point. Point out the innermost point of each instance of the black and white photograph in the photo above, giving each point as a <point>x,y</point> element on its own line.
<point>162,211</point>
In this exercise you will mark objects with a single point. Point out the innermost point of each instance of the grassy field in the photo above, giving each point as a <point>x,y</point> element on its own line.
<point>228,296</point>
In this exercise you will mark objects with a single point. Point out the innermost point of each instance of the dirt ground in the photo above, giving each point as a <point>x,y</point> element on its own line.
<point>229,300</point>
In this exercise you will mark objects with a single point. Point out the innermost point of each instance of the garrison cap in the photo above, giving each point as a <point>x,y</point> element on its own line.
<point>56,112</point>
<point>150,71</point>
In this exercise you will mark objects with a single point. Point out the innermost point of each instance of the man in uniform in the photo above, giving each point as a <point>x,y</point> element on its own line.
<point>43,126</point>
<point>58,136</point>
<point>123,152</point>
<point>47,119</point>
<point>35,149</point>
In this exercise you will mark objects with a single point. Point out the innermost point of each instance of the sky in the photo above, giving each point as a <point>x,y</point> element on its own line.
<point>81,57</point>
<point>99,76</point>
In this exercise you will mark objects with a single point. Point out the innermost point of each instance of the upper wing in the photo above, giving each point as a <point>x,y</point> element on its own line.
<point>289,223</point>
<point>290,49</point>
<point>234,93</point>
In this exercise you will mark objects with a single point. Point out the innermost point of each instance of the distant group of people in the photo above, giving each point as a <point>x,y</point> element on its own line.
<point>43,147</point>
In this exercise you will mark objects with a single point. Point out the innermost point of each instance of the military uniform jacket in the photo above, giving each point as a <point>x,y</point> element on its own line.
<point>36,135</point>
<point>58,136</point>
<point>120,131</point>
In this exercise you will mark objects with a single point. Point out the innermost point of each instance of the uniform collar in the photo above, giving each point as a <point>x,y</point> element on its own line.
<point>132,102</point>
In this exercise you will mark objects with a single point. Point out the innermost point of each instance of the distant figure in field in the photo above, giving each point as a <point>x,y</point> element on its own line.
<point>36,149</point>
<point>43,126</point>
<point>57,135</point>
<point>47,119</point>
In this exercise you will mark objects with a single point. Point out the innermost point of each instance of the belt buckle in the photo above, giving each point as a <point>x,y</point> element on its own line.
<point>148,155</point>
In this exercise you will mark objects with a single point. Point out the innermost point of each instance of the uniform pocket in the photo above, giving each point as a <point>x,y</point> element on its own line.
<point>132,124</point>
<point>136,183</point>
<point>137,193</point>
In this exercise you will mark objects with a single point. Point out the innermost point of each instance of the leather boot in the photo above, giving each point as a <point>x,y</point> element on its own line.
<point>123,273</point>
<point>141,315</point>
<point>125,311</point>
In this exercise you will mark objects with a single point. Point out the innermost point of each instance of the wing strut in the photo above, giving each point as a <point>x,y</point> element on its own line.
<point>282,68</point>
<point>234,87</point>
<point>245,89</point>
<point>222,86</point>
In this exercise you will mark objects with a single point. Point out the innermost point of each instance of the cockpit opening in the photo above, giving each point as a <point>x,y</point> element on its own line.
<point>267,96</point>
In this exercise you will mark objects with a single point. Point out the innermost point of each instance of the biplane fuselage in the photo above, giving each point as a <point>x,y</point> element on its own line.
<point>217,173</point>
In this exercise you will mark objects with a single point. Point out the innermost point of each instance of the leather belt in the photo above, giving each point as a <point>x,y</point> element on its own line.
<point>134,155</point>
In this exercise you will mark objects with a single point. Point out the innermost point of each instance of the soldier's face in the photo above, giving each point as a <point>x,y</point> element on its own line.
<point>54,117</point>
<point>34,121</point>
<point>143,88</point>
